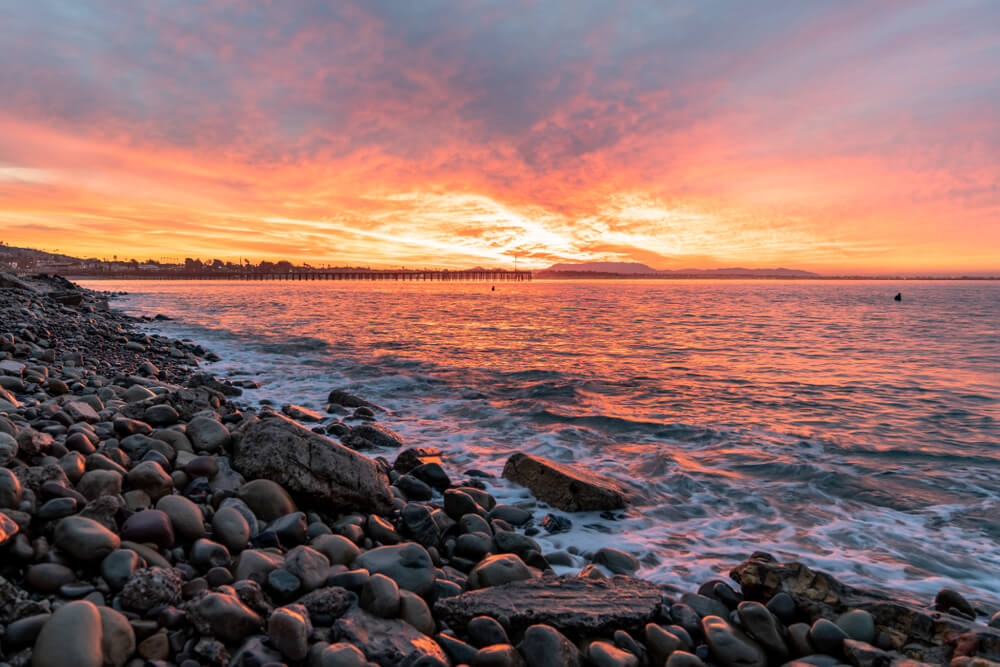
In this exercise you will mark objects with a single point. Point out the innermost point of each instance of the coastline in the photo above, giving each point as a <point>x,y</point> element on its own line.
<point>384,559</point>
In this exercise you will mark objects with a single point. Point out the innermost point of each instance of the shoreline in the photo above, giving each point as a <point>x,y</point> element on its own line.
<point>385,559</point>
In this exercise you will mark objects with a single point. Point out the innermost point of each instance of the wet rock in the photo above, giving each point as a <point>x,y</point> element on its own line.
<point>858,624</point>
<point>370,435</point>
<point>309,565</point>
<point>862,654</point>
<point>760,624</point>
<point>660,642</point>
<point>299,413</point>
<point>566,487</point>
<point>827,637</point>
<point>730,647</point>
<point>409,565</point>
<point>380,596</point>
<point>386,642</point>
<point>331,476</point>
<point>498,655</point>
<point>949,600</point>
<point>554,524</point>
<point>266,499</point>
<point>578,608</point>
<point>85,539</point>
<point>414,610</point>
<point>544,646</point>
<point>348,400</point>
<point>684,659</point>
<point>432,474</point>
<point>497,570</point>
<point>71,636</point>
<point>606,654</point>
<point>616,560</point>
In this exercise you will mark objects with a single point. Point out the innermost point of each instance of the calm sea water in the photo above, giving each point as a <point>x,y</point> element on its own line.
<point>816,420</point>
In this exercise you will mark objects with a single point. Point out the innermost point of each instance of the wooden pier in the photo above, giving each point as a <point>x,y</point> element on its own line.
<point>314,274</point>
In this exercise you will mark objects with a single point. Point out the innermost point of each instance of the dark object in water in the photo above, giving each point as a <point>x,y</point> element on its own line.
<point>898,297</point>
<point>494,289</point>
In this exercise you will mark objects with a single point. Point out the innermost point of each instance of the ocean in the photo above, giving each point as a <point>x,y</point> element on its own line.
<point>818,420</point>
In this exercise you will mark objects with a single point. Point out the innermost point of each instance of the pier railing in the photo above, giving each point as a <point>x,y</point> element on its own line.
<point>314,274</point>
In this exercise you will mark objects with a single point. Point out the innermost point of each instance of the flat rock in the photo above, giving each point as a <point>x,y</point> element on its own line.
<point>387,642</point>
<point>329,475</point>
<point>577,607</point>
<point>566,487</point>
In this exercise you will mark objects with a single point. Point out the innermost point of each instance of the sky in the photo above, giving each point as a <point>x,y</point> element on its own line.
<point>832,136</point>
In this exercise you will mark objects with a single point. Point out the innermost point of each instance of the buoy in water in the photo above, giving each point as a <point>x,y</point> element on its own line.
<point>898,297</point>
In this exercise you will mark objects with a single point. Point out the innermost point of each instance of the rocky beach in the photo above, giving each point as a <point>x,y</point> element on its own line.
<point>149,517</point>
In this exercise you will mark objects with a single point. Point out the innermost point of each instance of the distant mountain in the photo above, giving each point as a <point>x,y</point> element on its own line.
<point>620,268</point>
<point>610,269</point>
<point>8,253</point>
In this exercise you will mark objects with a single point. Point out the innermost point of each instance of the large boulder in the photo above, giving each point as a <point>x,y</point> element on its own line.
<point>330,476</point>
<point>575,606</point>
<point>564,486</point>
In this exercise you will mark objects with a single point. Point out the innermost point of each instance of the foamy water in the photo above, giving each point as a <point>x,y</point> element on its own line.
<point>817,420</point>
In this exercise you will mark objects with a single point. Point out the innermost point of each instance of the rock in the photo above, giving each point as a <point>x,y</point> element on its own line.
<point>230,529</point>
<point>223,616</point>
<point>85,539</point>
<point>186,518</point>
<point>408,564</point>
<point>347,400</point>
<point>266,499</point>
<point>389,643</point>
<point>151,587</point>
<point>72,636</point>
<point>25,630</point>
<point>432,474</point>
<point>48,577</point>
<point>498,655</point>
<point>290,529</point>
<point>414,610</point>
<point>606,654</point>
<point>369,435</point>
<point>8,448</point>
<point>330,476</point>
<point>289,629</point>
<point>616,560</point>
<point>117,637</point>
<point>149,526</point>
<point>151,478</point>
<point>579,608</point>
<point>858,624</point>
<point>660,642</point>
<point>544,646</point>
<point>380,596</point>
<point>328,603</point>
<point>949,600</point>
<point>161,415</point>
<point>10,489</point>
<point>863,654</point>
<point>342,654</point>
<point>254,651</point>
<point>827,637</point>
<point>338,549</point>
<point>207,435</point>
<point>730,647</point>
<point>309,565</point>
<point>118,566</point>
<point>760,624</point>
<point>299,413</point>
<point>565,487</point>
<point>497,570</point>
<point>97,483</point>
<point>554,524</point>
<point>79,411</point>
<point>8,529</point>
<point>255,565</point>
<point>283,585</point>
<point>684,659</point>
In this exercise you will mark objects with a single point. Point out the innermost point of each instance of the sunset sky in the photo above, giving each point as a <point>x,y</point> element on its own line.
<point>830,136</point>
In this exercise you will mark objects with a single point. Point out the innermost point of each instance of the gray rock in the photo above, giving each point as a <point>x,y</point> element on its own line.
<point>730,647</point>
<point>827,637</point>
<point>409,565</point>
<point>185,517</point>
<point>760,624</point>
<point>85,539</point>
<point>309,565</point>
<point>151,478</point>
<point>616,560</point>
<point>266,499</point>
<point>149,526</point>
<point>380,596</point>
<point>25,630</point>
<point>389,643</point>
<point>329,602</point>
<point>119,566</point>
<point>223,616</point>
<point>660,642</point>
<point>289,629</point>
<point>8,449</point>
<point>151,587</point>
<point>338,549</point>
<point>230,529</point>
<point>858,624</point>
<point>96,483</point>
<point>79,411</point>
<point>606,654</point>
<point>342,654</point>
<point>117,637</point>
<point>498,655</point>
<point>369,435</point>
<point>8,529</point>
<point>71,636</point>
<point>544,646</point>
<point>950,600</point>
<point>255,565</point>
<point>161,415</point>
<point>563,486</point>
<point>414,610</point>
<point>207,434</point>
<point>497,570</point>
<point>684,659</point>
<point>207,554</point>
<point>579,608</point>
<point>330,476</point>
<point>862,654</point>
<point>48,577</point>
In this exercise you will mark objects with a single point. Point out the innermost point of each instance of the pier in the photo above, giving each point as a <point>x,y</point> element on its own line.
<point>483,275</point>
